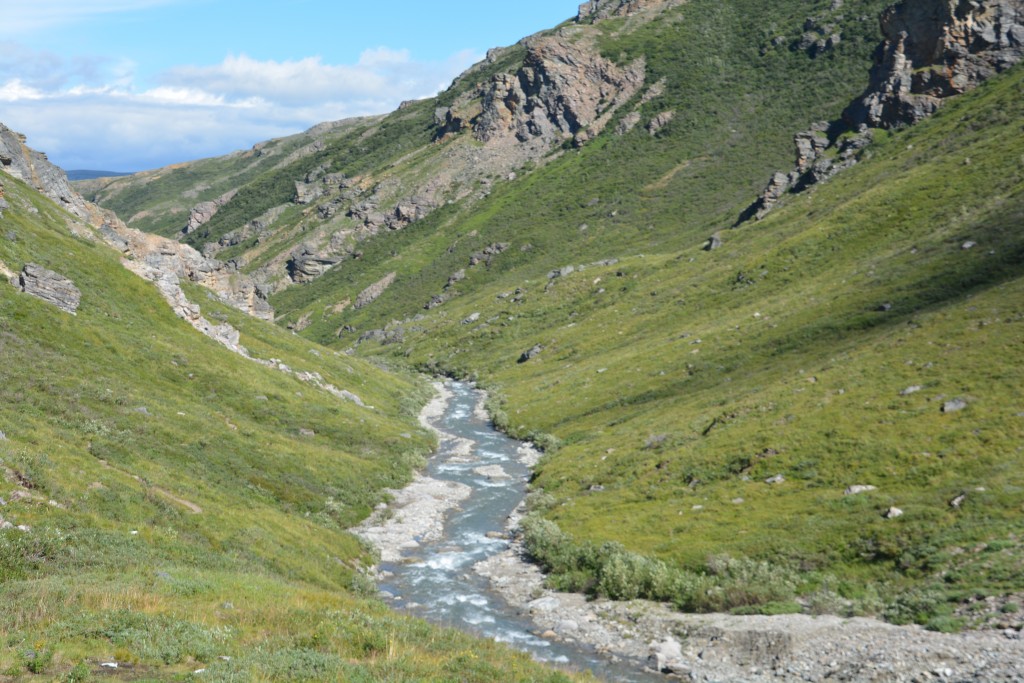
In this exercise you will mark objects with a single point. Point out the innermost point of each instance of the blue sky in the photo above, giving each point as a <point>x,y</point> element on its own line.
<point>127,85</point>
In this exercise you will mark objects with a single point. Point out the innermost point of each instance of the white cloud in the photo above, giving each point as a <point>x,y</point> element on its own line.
<point>101,119</point>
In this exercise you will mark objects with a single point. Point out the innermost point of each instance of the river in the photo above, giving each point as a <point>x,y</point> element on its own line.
<point>435,580</point>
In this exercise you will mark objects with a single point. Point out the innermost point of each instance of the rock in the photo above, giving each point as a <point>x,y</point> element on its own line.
<point>50,287</point>
<point>913,389</point>
<point>598,10</point>
<point>667,657</point>
<point>660,121</point>
<point>934,49</point>
<point>969,244</point>
<point>455,278</point>
<point>472,318</point>
<point>563,91</point>
<point>567,626</point>
<point>35,169</point>
<point>859,488</point>
<point>492,472</point>
<point>487,253</point>
<point>374,291</point>
<point>203,213</point>
<point>307,263</point>
<point>308,433</point>
<point>531,353</point>
<point>893,513</point>
<point>954,405</point>
<point>777,479</point>
<point>958,501</point>
<point>561,272</point>
<point>714,242</point>
<point>3,437</point>
<point>546,604</point>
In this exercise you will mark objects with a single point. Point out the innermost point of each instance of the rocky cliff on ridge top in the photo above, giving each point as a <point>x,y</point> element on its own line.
<point>33,167</point>
<point>156,258</point>
<point>562,91</point>
<point>935,49</point>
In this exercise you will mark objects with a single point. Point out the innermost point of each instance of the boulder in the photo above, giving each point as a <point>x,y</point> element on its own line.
<point>858,488</point>
<point>531,353</point>
<point>667,657</point>
<point>954,405</point>
<point>50,287</point>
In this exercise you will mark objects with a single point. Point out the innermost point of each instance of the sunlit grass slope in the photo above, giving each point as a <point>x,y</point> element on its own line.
<point>184,507</point>
<point>821,344</point>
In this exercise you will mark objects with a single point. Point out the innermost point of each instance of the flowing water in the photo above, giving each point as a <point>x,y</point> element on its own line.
<point>436,581</point>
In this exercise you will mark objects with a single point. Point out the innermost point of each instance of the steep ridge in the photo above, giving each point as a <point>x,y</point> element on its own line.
<point>811,413</point>
<point>167,506</point>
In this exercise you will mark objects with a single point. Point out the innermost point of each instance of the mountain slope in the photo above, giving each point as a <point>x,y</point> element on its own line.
<point>169,505</point>
<point>704,392</point>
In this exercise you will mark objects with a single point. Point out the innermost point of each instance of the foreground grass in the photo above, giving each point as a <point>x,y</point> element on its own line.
<point>184,508</point>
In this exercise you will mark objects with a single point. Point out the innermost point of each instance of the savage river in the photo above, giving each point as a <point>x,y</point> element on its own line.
<point>474,482</point>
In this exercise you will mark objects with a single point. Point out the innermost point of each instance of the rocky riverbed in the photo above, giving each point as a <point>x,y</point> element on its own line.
<point>639,634</point>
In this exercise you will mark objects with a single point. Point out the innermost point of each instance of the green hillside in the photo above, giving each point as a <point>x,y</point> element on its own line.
<point>704,413</point>
<point>820,344</point>
<point>169,505</point>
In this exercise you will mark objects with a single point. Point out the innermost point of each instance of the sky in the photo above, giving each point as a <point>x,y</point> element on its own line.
<point>130,85</point>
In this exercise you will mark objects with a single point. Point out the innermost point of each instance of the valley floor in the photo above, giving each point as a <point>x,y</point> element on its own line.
<point>700,647</point>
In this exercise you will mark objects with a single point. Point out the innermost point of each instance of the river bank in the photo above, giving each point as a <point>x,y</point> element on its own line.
<point>637,637</point>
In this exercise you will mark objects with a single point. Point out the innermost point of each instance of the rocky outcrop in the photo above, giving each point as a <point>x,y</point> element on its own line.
<point>604,9</point>
<point>564,90</point>
<point>32,167</point>
<point>306,264</point>
<point>49,286</point>
<point>374,291</point>
<point>935,49</point>
<point>202,213</point>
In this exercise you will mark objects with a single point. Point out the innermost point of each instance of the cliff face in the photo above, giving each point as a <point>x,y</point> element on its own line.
<point>934,49</point>
<point>564,90</point>
<point>26,164</point>
<point>159,259</point>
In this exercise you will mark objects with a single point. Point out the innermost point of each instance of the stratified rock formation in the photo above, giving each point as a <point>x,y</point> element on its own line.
<point>49,286</point>
<point>32,167</point>
<point>935,49</point>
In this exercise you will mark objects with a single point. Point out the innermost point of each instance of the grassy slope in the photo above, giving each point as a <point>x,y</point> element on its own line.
<point>687,378</point>
<point>177,512</point>
<point>737,101</point>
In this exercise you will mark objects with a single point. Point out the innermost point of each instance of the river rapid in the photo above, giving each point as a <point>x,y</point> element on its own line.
<point>453,518</point>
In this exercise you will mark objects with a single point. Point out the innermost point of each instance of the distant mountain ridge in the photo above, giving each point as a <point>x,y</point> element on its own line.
<point>92,175</point>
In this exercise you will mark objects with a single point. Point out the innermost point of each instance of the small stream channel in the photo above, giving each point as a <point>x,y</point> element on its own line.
<point>436,581</point>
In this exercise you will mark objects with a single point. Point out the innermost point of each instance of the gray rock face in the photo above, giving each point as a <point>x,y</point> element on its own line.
<point>935,49</point>
<point>34,168</point>
<point>50,287</point>
<point>603,9</point>
<point>532,353</point>
<point>307,263</point>
<point>374,291</point>
<point>202,213</point>
<point>562,91</point>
